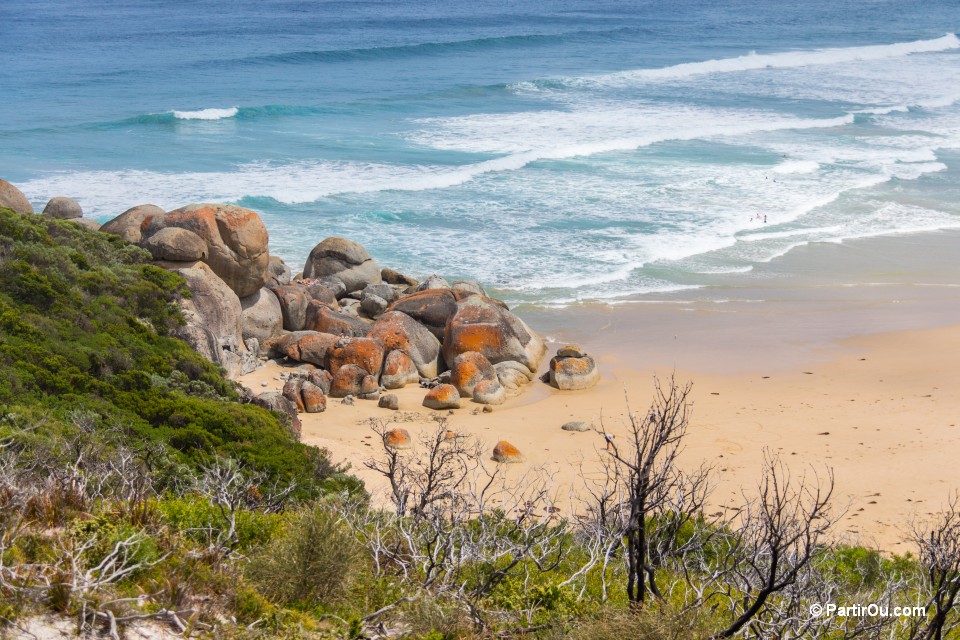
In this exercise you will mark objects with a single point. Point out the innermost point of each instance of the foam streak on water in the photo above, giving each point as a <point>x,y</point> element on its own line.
<point>576,152</point>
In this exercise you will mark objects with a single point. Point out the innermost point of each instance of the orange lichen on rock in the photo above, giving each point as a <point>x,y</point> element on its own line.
<point>506,453</point>
<point>397,439</point>
<point>444,396</point>
<point>363,352</point>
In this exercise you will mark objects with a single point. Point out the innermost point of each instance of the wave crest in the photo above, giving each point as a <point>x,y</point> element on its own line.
<point>206,114</point>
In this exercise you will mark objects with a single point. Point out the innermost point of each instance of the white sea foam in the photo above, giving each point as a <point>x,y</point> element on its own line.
<point>600,129</point>
<point>206,114</point>
<point>109,192</point>
<point>797,166</point>
<point>783,60</point>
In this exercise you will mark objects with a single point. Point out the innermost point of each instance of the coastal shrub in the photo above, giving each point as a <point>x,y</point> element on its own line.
<point>313,561</point>
<point>193,517</point>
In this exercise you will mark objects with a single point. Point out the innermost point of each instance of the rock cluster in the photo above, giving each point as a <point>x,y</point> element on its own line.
<point>365,327</point>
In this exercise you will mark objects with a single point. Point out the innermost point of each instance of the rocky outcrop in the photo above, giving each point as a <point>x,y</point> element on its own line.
<point>443,396</point>
<point>480,324</point>
<point>572,369</point>
<point>345,260</point>
<point>213,319</point>
<point>13,198</point>
<point>397,330</point>
<point>262,317</point>
<point>235,238</point>
<point>506,453</point>
<point>468,369</point>
<point>576,426</point>
<point>398,371</point>
<point>63,208</point>
<point>128,224</point>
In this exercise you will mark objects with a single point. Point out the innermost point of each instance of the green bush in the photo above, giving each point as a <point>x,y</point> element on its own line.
<point>312,562</point>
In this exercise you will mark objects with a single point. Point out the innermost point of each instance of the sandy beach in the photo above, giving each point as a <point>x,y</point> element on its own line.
<point>835,355</point>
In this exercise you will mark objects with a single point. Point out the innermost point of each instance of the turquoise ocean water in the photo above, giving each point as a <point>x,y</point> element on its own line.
<point>555,151</point>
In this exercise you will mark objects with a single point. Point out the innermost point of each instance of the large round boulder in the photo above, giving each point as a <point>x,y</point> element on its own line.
<point>363,352</point>
<point>431,307</point>
<point>314,400</point>
<point>176,245</point>
<point>343,259</point>
<point>480,324</point>
<point>570,373</point>
<point>63,208</point>
<point>213,314</point>
<point>13,198</point>
<point>398,371</point>
<point>469,368</point>
<point>397,330</point>
<point>348,381</point>
<point>128,224</point>
<point>442,396</point>
<point>236,241</point>
<point>262,318</point>
<point>489,392</point>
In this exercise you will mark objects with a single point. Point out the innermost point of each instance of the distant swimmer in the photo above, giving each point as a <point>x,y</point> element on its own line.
<point>764,218</point>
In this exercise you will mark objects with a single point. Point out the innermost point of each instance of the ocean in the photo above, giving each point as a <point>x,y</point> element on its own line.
<point>557,151</point>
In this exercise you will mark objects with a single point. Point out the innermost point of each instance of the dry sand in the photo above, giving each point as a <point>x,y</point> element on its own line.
<point>865,382</point>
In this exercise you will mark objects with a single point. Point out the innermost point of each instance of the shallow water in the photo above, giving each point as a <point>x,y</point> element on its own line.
<point>580,152</point>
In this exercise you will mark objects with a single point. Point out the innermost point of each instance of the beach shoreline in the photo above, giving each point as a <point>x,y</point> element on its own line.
<point>825,371</point>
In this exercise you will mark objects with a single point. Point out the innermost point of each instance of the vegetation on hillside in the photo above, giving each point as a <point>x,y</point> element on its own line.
<point>84,320</point>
